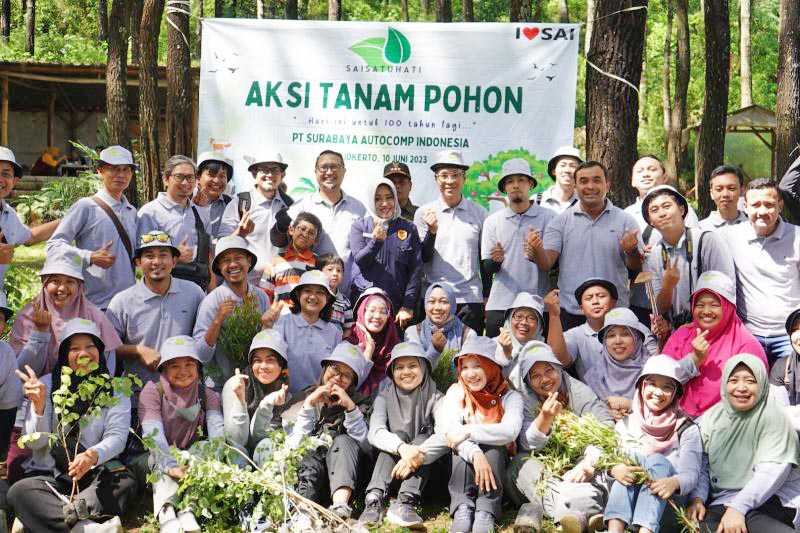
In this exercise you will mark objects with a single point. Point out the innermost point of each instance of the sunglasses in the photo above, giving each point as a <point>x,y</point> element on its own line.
<point>147,238</point>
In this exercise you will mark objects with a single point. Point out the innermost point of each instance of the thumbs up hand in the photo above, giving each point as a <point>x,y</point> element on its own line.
<point>103,257</point>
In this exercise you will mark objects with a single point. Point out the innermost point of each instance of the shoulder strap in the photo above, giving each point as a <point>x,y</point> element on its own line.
<point>539,197</point>
<point>464,334</point>
<point>700,254</point>
<point>646,234</point>
<point>123,235</point>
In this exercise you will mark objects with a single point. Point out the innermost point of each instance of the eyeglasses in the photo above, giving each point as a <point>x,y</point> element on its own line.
<point>530,319</point>
<point>184,177</point>
<point>159,236</point>
<point>444,176</point>
<point>267,169</point>
<point>329,168</point>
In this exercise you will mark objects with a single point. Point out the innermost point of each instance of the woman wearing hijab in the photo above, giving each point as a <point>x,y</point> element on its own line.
<point>376,334</point>
<point>333,409</point>
<point>752,455</point>
<point>714,335</point>
<point>387,250</point>
<point>484,416</point>
<point>400,427</point>
<point>253,401</point>
<point>104,484</point>
<point>613,377</point>
<point>176,410</point>
<point>578,497</point>
<point>442,329</point>
<point>664,442</point>
<point>523,323</point>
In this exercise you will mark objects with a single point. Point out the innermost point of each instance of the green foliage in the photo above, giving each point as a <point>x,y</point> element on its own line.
<point>54,199</point>
<point>482,176</point>
<point>239,328</point>
<point>22,284</point>
<point>444,374</point>
<point>219,491</point>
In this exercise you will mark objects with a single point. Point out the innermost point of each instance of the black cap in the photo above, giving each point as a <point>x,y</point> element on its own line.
<point>593,282</point>
<point>395,168</point>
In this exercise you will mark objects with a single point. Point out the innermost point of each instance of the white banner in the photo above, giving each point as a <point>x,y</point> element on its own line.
<point>378,92</point>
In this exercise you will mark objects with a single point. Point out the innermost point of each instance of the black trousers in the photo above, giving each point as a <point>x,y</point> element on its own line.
<point>463,489</point>
<point>471,315</point>
<point>7,417</point>
<point>772,517</point>
<point>382,477</point>
<point>40,510</point>
<point>494,321</point>
<point>323,471</point>
<point>569,321</point>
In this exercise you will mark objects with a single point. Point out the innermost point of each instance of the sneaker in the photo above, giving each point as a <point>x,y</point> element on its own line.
<point>114,525</point>
<point>403,515</point>
<point>342,510</point>
<point>462,519</point>
<point>484,522</point>
<point>595,523</point>
<point>188,522</point>
<point>373,509</point>
<point>572,523</point>
<point>529,518</point>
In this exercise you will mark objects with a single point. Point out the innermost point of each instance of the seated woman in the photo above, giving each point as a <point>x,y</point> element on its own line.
<point>613,376</point>
<point>253,401</point>
<point>176,409</point>
<point>752,454</point>
<point>578,498</point>
<point>387,250</point>
<point>376,334</point>
<point>714,335</point>
<point>484,417</point>
<point>306,330</point>
<point>441,329</point>
<point>785,374</point>
<point>523,324</point>
<point>334,408</point>
<point>104,484</point>
<point>400,428</point>
<point>664,442</point>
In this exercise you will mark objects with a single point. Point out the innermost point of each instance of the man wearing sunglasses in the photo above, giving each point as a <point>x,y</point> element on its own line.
<point>175,213</point>
<point>157,307</point>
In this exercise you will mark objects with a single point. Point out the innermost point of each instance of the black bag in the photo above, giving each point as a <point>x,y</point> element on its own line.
<point>197,271</point>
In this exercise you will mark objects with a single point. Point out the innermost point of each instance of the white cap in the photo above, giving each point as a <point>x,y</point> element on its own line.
<point>117,155</point>
<point>512,167</point>
<point>718,282</point>
<point>205,157</point>
<point>449,158</point>
<point>7,155</point>
<point>178,346</point>
<point>265,157</point>
<point>563,151</point>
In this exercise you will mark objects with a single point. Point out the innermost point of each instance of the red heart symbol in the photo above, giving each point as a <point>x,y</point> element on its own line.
<point>530,33</point>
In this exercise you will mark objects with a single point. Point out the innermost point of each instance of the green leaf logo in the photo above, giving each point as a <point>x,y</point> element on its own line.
<point>397,49</point>
<point>381,52</point>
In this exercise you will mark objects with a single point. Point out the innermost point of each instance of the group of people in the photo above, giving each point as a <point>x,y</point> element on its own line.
<point>683,334</point>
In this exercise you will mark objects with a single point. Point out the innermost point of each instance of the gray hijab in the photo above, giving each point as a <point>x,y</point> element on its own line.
<point>618,378</point>
<point>411,412</point>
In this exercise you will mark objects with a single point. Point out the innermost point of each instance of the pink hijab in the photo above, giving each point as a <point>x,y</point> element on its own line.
<point>658,431</point>
<point>384,342</point>
<point>728,338</point>
<point>80,307</point>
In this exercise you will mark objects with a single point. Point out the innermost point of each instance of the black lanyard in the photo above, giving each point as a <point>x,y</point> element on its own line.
<point>689,254</point>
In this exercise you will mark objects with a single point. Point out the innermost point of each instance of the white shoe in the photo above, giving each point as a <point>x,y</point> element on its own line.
<point>90,526</point>
<point>17,526</point>
<point>171,526</point>
<point>188,522</point>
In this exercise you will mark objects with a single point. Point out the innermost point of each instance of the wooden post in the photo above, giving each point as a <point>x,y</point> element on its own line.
<point>4,115</point>
<point>51,119</point>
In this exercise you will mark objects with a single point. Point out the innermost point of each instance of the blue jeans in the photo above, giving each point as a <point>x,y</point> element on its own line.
<point>775,347</point>
<point>635,504</point>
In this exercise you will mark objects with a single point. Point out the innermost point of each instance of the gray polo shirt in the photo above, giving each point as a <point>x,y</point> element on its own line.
<point>336,221</point>
<point>768,275</point>
<point>635,210</point>
<point>712,254</point>
<point>456,255</point>
<point>586,352</point>
<point>141,316</point>
<point>215,212</point>
<point>222,367</point>
<point>308,345</point>
<point>262,213</point>
<point>589,248</point>
<point>551,202</point>
<point>13,230</point>
<point>516,274</point>
<point>174,219</point>
<point>84,229</point>
<point>715,221</point>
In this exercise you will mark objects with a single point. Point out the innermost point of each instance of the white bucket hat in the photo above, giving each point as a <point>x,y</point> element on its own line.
<point>352,356</point>
<point>207,157</point>
<point>178,346</point>
<point>661,365</point>
<point>663,189</point>
<point>155,239</point>
<point>482,347</point>
<point>117,155</point>
<point>4,308</point>
<point>621,316</point>
<point>448,158</point>
<point>512,167</point>
<point>563,151</point>
<point>718,282</point>
<point>231,242</point>
<point>407,349</point>
<point>7,155</point>
<point>265,157</point>
<point>536,352</point>
<point>81,326</point>
<point>66,263</point>
<point>270,339</point>
<point>314,277</point>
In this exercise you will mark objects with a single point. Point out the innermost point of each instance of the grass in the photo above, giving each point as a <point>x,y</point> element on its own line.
<point>30,256</point>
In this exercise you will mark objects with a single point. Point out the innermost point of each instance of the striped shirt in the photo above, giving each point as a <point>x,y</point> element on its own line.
<point>286,270</point>
<point>342,312</point>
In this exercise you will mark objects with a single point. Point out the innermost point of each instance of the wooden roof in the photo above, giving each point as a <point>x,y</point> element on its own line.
<point>749,119</point>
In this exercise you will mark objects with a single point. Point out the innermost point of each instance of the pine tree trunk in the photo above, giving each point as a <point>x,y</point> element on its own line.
<point>30,26</point>
<point>334,10</point>
<point>404,8</point>
<point>444,11</point>
<point>563,11</point>
<point>514,10</point>
<point>179,99</point>
<point>745,72</point>
<point>102,20</point>
<point>218,8</point>
<point>612,107</point>
<point>467,11</point>
<point>291,9</point>
<point>5,20</point>
<point>710,151</point>
<point>149,113</point>
<point>590,16</point>
<point>259,9</point>
<point>135,19</point>
<point>787,135</point>
<point>677,137</point>
<point>425,6</point>
<point>537,14</point>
